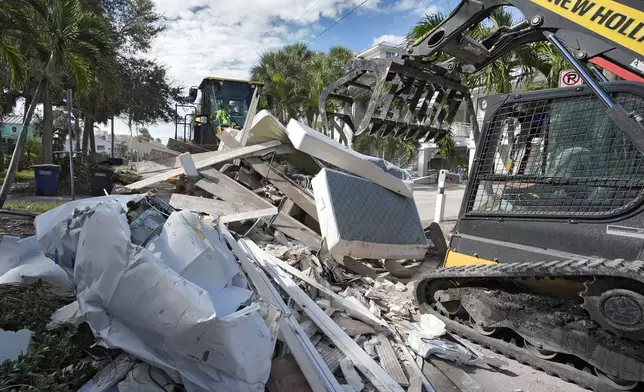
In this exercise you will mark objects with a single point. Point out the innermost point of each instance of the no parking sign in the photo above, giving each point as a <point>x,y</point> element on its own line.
<point>569,78</point>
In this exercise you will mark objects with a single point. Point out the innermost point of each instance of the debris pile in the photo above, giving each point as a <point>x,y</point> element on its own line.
<point>279,263</point>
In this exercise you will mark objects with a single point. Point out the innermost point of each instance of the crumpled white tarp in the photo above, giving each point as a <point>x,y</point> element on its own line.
<point>58,229</point>
<point>23,262</point>
<point>173,305</point>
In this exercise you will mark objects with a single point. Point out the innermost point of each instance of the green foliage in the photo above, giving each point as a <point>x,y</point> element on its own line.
<point>31,153</point>
<point>28,307</point>
<point>55,360</point>
<point>295,76</point>
<point>388,148</point>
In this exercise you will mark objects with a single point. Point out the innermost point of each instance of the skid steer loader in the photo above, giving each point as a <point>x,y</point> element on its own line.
<point>544,263</point>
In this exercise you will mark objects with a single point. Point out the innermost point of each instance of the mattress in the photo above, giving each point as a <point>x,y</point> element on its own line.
<point>360,218</point>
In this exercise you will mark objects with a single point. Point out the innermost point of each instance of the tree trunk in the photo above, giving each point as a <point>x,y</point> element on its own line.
<point>20,145</point>
<point>92,140</point>
<point>48,125</point>
<point>86,124</point>
<point>310,119</point>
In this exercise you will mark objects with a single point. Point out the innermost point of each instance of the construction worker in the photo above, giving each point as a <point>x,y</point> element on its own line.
<point>223,116</point>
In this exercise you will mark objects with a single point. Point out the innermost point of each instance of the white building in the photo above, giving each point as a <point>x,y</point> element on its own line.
<point>382,50</point>
<point>102,146</point>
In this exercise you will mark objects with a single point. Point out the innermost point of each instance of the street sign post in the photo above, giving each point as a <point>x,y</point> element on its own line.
<point>569,78</point>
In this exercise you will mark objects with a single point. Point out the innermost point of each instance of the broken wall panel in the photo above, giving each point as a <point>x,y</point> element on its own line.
<point>360,218</point>
<point>181,303</point>
<point>317,145</point>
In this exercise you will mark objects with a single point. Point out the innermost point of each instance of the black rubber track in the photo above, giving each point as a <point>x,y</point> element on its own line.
<point>573,268</point>
<point>563,371</point>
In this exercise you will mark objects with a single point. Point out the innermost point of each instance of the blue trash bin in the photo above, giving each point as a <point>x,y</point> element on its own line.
<point>46,179</point>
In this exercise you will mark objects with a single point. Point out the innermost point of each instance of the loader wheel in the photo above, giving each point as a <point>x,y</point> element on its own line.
<point>621,311</point>
<point>617,384</point>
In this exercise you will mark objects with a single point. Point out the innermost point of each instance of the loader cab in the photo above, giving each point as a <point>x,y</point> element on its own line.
<point>554,177</point>
<point>222,103</point>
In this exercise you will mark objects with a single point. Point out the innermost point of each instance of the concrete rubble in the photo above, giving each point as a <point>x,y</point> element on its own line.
<point>263,267</point>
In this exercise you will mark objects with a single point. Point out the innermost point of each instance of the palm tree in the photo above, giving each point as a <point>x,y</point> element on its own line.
<point>320,71</point>
<point>80,41</point>
<point>284,79</point>
<point>15,17</point>
<point>74,41</point>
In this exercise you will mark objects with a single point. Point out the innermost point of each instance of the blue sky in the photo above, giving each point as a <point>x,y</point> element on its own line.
<point>224,38</point>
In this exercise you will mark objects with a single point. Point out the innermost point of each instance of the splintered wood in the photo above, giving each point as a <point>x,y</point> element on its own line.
<point>389,360</point>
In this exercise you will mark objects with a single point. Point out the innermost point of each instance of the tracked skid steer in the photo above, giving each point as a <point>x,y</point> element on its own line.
<point>545,262</point>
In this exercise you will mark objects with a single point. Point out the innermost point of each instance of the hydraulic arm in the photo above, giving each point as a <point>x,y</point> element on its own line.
<point>416,96</point>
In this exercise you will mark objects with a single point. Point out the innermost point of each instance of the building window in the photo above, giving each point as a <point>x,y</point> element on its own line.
<point>14,129</point>
<point>100,148</point>
<point>389,55</point>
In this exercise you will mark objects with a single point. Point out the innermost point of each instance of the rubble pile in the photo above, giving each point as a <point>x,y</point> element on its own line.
<point>282,264</point>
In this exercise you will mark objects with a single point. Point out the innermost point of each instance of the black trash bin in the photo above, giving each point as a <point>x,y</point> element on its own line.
<point>102,178</point>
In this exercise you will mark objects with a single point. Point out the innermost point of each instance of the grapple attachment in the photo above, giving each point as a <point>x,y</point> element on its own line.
<point>399,97</point>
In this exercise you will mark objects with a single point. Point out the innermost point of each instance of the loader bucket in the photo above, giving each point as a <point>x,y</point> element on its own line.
<point>400,98</point>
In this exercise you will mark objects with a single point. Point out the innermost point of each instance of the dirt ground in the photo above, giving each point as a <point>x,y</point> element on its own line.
<point>14,226</point>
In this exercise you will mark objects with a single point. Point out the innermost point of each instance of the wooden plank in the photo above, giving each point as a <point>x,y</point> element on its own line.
<point>188,165</point>
<point>255,214</point>
<point>209,206</point>
<point>226,156</point>
<point>336,300</point>
<point>330,356</point>
<point>360,359</point>
<point>225,210</point>
<point>250,116</point>
<point>225,188</point>
<point>290,189</point>
<point>389,360</point>
<point>297,230</point>
<point>317,373</point>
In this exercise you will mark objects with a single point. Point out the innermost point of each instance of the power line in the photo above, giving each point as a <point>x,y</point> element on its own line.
<point>336,22</point>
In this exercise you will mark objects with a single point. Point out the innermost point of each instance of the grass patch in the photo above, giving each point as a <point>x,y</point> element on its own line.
<point>38,208</point>
<point>25,175</point>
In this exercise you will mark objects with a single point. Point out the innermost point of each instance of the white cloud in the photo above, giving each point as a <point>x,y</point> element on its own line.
<point>389,38</point>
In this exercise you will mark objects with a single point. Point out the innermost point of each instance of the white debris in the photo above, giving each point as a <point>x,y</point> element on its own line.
<point>400,287</point>
<point>13,344</point>
<point>58,229</point>
<point>443,349</point>
<point>351,375</point>
<point>370,346</point>
<point>67,315</point>
<point>22,261</point>
<point>181,304</point>
<point>373,308</point>
<point>431,326</point>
